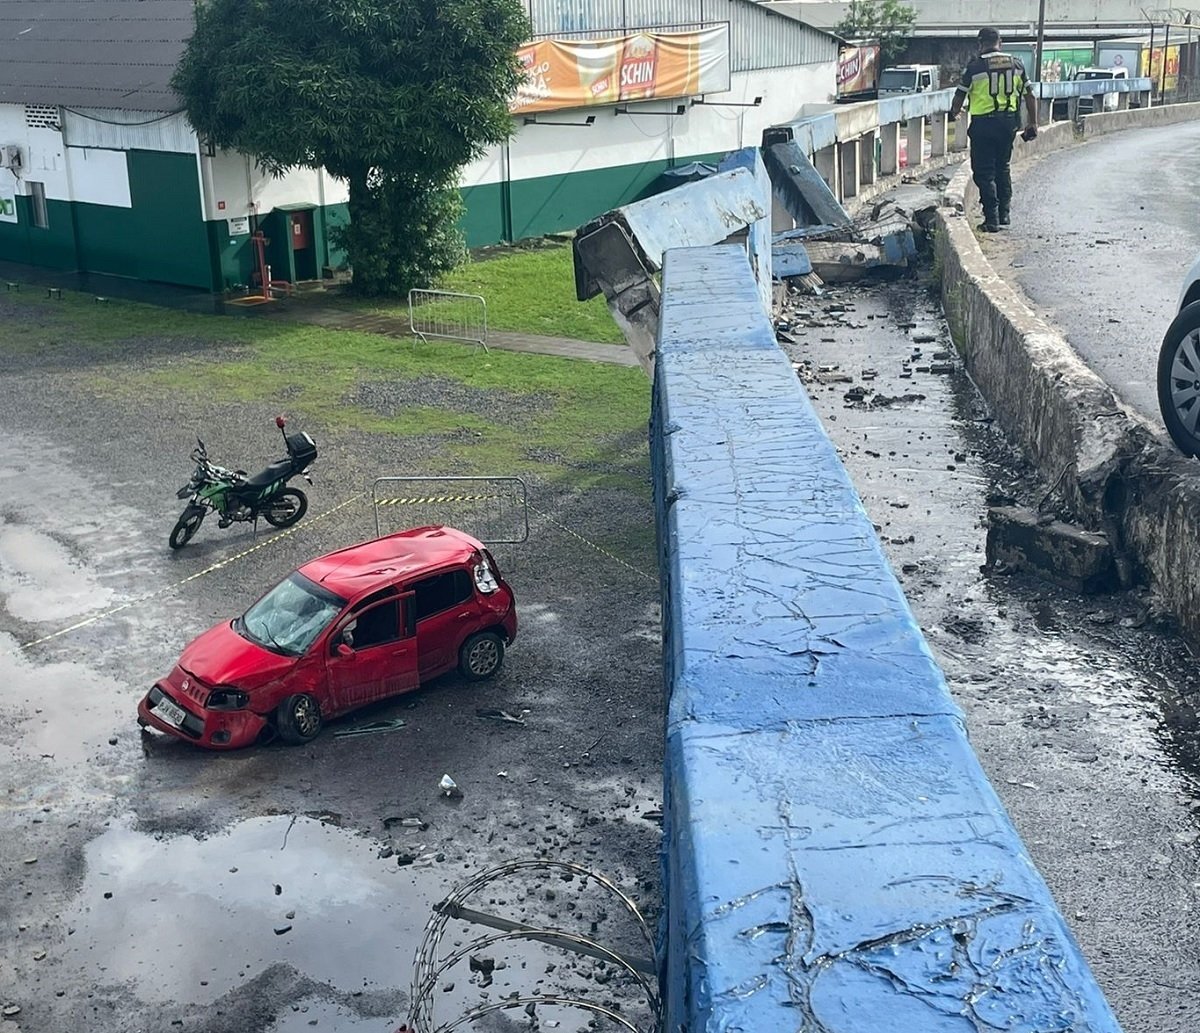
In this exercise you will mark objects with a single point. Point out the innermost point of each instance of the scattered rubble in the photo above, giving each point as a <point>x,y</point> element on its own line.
<point>1024,539</point>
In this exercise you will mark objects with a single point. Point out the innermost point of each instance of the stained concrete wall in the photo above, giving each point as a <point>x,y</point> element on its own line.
<point>1114,473</point>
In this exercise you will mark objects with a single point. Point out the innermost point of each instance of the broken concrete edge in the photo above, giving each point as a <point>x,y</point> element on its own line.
<point>1114,473</point>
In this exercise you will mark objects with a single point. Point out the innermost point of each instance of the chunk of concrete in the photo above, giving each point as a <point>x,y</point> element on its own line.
<point>1020,539</point>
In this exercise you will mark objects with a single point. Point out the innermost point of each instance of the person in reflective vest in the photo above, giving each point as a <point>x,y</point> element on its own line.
<point>993,86</point>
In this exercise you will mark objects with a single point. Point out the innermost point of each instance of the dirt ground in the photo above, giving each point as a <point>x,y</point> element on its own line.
<point>148,885</point>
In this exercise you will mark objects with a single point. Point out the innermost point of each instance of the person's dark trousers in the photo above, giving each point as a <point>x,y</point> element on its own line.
<point>991,153</point>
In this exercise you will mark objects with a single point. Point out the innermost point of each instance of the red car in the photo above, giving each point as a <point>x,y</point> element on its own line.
<point>345,630</point>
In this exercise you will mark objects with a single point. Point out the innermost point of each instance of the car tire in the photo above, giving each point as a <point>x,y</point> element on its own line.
<point>292,504</point>
<point>1179,380</point>
<point>481,656</point>
<point>298,719</point>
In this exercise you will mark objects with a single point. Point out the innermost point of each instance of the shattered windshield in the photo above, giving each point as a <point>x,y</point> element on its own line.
<point>289,618</point>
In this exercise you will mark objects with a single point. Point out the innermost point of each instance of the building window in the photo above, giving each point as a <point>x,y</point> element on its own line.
<point>37,196</point>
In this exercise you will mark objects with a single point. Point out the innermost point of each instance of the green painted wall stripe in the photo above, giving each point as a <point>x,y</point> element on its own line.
<point>164,237</point>
<point>552,204</point>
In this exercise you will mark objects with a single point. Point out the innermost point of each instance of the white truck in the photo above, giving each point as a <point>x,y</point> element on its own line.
<point>896,80</point>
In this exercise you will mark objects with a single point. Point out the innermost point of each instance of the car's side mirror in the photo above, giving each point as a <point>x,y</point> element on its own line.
<point>344,650</point>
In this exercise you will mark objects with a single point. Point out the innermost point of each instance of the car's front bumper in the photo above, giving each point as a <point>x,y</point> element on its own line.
<point>212,729</point>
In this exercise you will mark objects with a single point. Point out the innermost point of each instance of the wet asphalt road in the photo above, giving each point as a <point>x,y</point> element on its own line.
<point>149,886</point>
<point>1081,709</point>
<point>1102,236</point>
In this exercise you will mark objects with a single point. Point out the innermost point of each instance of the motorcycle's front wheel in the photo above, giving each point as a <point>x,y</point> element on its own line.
<point>286,507</point>
<point>186,526</point>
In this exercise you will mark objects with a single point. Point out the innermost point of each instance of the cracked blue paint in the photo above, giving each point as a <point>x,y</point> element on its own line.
<point>837,861</point>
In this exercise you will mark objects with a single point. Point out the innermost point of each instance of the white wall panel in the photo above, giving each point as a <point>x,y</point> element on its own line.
<point>42,150</point>
<point>234,179</point>
<point>99,176</point>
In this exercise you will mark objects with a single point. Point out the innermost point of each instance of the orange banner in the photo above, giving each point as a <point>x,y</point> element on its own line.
<point>584,73</point>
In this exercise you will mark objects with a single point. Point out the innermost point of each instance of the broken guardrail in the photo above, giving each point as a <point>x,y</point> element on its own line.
<point>620,253</point>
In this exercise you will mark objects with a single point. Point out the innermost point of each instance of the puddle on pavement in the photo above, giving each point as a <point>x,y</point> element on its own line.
<point>59,711</point>
<point>192,921</point>
<point>40,580</point>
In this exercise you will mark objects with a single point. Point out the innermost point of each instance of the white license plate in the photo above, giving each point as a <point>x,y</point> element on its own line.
<point>167,711</point>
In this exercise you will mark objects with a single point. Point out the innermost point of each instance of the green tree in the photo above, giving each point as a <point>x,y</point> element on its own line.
<point>394,96</point>
<point>886,22</point>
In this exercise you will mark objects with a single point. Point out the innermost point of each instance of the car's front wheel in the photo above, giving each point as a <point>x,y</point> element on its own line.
<point>1179,380</point>
<point>481,656</point>
<point>298,719</point>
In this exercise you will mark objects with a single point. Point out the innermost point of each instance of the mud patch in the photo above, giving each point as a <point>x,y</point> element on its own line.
<point>392,398</point>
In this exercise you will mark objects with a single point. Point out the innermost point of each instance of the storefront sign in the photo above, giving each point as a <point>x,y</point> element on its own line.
<point>8,205</point>
<point>584,73</point>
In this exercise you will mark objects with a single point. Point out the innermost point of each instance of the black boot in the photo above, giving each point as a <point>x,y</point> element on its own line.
<point>989,225</point>
<point>1003,217</point>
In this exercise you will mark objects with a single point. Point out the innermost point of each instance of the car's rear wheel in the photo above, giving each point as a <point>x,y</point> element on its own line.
<point>481,656</point>
<point>1179,380</point>
<point>298,719</point>
<point>286,508</point>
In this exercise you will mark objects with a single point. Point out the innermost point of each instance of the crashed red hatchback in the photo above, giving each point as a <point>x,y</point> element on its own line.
<point>342,631</point>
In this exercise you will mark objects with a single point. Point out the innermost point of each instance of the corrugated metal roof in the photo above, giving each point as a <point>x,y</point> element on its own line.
<point>94,53</point>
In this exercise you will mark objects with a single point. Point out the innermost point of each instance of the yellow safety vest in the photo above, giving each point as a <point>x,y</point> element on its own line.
<point>994,83</point>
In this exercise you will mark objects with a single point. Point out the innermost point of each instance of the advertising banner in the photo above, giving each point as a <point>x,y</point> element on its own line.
<point>1152,65</point>
<point>8,204</point>
<point>857,70</point>
<point>644,65</point>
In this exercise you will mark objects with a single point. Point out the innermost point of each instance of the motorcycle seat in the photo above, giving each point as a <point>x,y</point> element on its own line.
<point>279,468</point>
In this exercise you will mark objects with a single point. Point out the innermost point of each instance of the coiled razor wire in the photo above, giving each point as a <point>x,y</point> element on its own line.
<point>430,967</point>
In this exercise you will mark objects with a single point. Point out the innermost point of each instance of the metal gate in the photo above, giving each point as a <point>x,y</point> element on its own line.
<point>493,509</point>
<point>448,316</point>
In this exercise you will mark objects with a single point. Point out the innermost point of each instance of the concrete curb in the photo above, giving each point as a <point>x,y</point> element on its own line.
<point>1114,473</point>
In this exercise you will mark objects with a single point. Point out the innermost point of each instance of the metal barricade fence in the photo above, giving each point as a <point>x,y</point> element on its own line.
<point>493,509</point>
<point>448,316</point>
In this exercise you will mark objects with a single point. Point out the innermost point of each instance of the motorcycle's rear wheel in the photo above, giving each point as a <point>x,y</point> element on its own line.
<point>285,508</point>
<point>186,526</point>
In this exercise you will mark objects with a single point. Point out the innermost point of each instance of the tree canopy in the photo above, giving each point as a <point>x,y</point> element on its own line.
<point>886,22</point>
<point>394,96</point>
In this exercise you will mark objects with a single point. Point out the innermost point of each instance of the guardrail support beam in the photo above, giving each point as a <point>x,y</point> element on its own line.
<point>889,152</point>
<point>868,144</point>
<point>959,143</point>
<point>825,161</point>
<point>938,126</point>
<point>915,142</point>
<point>848,160</point>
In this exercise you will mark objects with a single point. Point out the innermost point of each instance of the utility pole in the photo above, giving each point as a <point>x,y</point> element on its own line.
<point>1041,39</point>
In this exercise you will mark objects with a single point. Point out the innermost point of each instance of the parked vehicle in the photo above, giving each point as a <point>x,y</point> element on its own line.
<point>1111,100</point>
<point>1179,368</point>
<point>237,496</point>
<point>897,80</point>
<point>344,630</point>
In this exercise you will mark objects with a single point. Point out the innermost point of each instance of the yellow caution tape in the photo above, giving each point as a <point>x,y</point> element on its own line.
<point>96,617</point>
<point>428,499</point>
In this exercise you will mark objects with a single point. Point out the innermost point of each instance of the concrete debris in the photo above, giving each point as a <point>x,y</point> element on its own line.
<point>499,715</point>
<point>450,788</point>
<point>1019,539</point>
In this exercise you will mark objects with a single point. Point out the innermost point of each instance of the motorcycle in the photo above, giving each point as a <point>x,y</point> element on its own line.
<point>238,497</point>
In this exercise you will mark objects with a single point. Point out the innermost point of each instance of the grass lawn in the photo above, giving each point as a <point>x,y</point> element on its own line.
<point>527,289</point>
<point>585,413</point>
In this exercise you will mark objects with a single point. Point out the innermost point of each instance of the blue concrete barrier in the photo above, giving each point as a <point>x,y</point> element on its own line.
<point>836,860</point>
